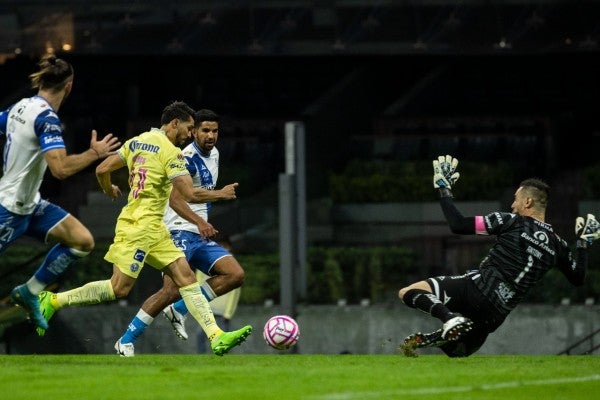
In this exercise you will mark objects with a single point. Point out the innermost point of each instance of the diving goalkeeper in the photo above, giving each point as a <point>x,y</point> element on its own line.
<point>473,305</point>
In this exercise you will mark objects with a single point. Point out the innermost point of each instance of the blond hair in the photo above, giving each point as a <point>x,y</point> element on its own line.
<point>53,75</point>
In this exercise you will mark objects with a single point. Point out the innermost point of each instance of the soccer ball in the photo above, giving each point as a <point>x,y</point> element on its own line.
<point>281,332</point>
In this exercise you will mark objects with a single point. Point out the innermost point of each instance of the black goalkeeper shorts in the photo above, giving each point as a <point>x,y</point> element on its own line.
<point>460,295</point>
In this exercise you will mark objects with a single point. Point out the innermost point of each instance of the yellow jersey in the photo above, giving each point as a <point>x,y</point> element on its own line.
<point>153,161</point>
<point>141,236</point>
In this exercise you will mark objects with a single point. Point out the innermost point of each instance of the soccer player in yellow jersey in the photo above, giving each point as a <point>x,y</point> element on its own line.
<point>156,166</point>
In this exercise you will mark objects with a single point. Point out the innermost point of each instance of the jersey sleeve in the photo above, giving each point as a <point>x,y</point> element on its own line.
<point>572,265</point>
<point>48,129</point>
<point>456,221</point>
<point>190,165</point>
<point>175,164</point>
<point>3,121</point>
<point>124,151</point>
<point>493,223</point>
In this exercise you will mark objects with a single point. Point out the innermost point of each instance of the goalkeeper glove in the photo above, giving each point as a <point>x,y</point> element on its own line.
<point>444,172</point>
<point>588,229</point>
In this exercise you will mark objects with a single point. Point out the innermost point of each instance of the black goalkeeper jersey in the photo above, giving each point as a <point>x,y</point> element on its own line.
<point>525,249</point>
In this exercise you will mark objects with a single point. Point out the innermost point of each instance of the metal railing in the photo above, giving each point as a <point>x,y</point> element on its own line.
<point>592,346</point>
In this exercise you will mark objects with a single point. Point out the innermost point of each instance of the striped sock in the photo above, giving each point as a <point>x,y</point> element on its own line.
<point>180,307</point>
<point>56,263</point>
<point>136,327</point>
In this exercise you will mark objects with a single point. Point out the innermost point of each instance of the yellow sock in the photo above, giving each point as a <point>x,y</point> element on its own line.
<point>215,335</point>
<point>198,306</point>
<point>54,301</point>
<point>90,293</point>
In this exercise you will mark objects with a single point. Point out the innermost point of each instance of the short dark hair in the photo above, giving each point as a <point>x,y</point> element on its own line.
<point>53,74</point>
<point>177,109</point>
<point>205,115</point>
<point>537,189</point>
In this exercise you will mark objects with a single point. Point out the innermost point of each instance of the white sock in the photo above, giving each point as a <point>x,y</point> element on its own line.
<point>144,317</point>
<point>210,293</point>
<point>35,286</point>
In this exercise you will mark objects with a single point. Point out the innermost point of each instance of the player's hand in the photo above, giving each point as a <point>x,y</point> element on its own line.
<point>206,230</point>
<point>444,172</point>
<point>114,192</point>
<point>228,191</point>
<point>588,229</point>
<point>106,146</point>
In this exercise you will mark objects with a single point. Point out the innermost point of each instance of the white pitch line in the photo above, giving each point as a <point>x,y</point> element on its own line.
<point>454,389</point>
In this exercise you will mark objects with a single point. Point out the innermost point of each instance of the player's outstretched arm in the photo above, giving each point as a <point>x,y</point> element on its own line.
<point>201,195</point>
<point>444,177</point>
<point>191,194</point>
<point>62,165</point>
<point>105,147</point>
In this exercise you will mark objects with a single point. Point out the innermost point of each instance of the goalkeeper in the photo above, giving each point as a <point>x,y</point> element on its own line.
<point>473,305</point>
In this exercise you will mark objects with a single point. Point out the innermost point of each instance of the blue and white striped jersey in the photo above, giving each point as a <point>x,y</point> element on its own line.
<point>204,171</point>
<point>32,128</point>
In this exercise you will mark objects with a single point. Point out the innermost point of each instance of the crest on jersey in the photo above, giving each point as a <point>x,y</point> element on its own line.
<point>541,237</point>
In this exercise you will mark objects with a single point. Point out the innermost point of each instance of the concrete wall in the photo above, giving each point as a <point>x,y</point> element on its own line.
<point>531,329</point>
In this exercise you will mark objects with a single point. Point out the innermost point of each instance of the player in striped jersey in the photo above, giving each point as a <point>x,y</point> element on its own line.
<point>473,305</point>
<point>34,142</point>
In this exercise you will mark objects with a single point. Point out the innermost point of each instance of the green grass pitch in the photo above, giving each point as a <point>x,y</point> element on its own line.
<point>291,376</point>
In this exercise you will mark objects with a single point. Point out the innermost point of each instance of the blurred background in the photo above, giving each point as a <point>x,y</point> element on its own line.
<point>511,88</point>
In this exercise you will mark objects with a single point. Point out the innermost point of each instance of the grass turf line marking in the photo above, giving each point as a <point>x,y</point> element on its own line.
<point>456,389</point>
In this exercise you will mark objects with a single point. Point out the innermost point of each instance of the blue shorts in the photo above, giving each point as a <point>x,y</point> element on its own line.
<point>202,254</point>
<point>44,217</point>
